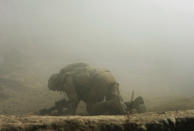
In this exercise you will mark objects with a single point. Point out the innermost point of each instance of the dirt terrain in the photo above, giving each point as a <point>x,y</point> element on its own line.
<point>161,121</point>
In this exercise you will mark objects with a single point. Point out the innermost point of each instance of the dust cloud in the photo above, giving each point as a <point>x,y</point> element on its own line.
<point>147,45</point>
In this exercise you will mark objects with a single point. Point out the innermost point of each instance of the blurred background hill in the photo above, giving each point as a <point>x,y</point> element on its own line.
<point>23,87</point>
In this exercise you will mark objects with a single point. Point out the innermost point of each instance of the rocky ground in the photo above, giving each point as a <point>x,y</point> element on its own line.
<point>161,121</point>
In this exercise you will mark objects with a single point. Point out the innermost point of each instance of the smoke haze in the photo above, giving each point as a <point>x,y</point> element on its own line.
<point>147,44</point>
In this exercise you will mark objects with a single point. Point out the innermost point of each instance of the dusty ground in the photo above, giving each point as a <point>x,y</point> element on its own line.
<point>161,121</point>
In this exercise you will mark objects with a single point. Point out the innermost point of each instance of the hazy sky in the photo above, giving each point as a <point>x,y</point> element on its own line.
<point>147,44</point>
